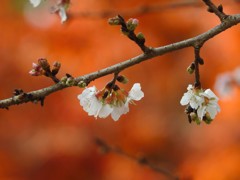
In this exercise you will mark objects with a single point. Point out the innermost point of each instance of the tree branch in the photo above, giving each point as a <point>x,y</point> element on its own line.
<point>196,41</point>
<point>105,148</point>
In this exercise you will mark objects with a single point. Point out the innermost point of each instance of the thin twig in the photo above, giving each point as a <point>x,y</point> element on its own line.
<point>197,61</point>
<point>216,10</point>
<point>105,148</point>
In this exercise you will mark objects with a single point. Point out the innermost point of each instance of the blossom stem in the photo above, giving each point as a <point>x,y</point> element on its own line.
<point>111,84</point>
<point>196,63</point>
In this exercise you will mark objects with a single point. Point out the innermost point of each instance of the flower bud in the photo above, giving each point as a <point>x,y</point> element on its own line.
<point>193,116</point>
<point>70,81</point>
<point>82,84</point>
<point>109,85</point>
<point>63,80</point>
<point>114,21</point>
<point>56,67</point>
<point>44,64</point>
<point>140,36</point>
<point>122,79</point>
<point>207,119</point>
<point>116,88</point>
<point>37,70</point>
<point>200,61</point>
<point>132,24</point>
<point>191,68</point>
<point>17,92</point>
<point>220,8</point>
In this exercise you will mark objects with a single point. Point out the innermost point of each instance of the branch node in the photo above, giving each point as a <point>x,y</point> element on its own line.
<point>217,10</point>
<point>128,29</point>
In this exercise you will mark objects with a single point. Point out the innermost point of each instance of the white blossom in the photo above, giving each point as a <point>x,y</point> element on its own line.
<point>191,97</point>
<point>209,106</point>
<point>92,105</point>
<point>203,103</point>
<point>116,103</point>
<point>135,94</point>
<point>35,3</point>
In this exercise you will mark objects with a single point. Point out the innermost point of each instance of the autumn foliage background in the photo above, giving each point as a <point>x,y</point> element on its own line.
<point>57,141</point>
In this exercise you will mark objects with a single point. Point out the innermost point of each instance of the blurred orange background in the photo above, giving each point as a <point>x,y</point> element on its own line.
<point>57,141</point>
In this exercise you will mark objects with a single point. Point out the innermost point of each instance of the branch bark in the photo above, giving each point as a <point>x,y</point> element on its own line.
<point>194,42</point>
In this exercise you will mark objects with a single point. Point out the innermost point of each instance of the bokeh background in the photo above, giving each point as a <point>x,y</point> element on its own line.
<point>57,141</point>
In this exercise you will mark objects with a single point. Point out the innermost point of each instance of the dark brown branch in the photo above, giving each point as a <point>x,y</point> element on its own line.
<point>196,41</point>
<point>105,148</point>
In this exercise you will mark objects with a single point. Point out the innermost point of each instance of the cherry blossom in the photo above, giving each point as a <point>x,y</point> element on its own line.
<point>37,70</point>
<point>92,105</point>
<point>202,104</point>
<point>135,94</point>
<point>109,101</point>
<point>191,97</point>
<point>209,106</point>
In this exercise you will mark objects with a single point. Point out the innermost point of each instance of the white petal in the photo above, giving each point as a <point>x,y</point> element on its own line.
<point>190,87</point>
<point>201,112</point>
<point>118,111</point>
<point>196,101</point>
<point>89,102</point>
<point>212,110</point>
<point>208,93</point>
<point>35,3</point>
<point>87,91</point>
<point>105,111</point>
<point>94,108</point>
<point>62,14</point>
<point>185,99</point>
<point>136,93</point>
<point>87,96</point>
<point>194,104</point>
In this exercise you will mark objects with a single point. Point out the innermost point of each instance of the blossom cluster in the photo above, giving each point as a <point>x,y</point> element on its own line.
<point>110,100</point>
<point>60,8</point>
<point>202,104</point>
